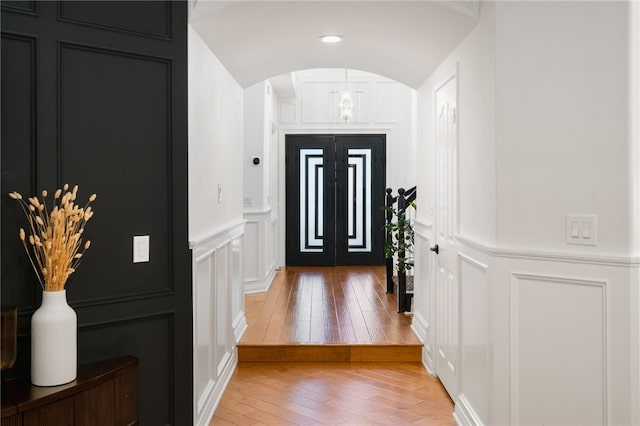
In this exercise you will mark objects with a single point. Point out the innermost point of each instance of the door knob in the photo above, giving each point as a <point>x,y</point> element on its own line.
<point>436,249</point>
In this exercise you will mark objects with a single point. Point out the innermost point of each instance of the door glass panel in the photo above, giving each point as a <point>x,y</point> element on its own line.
<point>311,200</point>
<point>359,200</point>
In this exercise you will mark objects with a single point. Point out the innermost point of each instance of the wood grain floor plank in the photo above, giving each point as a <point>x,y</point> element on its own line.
<point>351,300</point>
<point>333,394</point>
<point>347,312</point>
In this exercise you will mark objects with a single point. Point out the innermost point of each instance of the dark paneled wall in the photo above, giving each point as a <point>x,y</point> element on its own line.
<point>95,94</point>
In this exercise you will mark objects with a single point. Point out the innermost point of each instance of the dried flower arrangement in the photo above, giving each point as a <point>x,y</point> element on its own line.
<point>54,239</point>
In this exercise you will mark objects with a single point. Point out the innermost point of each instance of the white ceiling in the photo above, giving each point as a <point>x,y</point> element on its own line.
<point>404,41</point>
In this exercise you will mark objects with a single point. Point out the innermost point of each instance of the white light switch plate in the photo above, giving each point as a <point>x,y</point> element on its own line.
<point>140,248</point>
<point>582,229</point>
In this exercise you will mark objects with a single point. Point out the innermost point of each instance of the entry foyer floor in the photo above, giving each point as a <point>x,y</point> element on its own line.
<point>325,346</point>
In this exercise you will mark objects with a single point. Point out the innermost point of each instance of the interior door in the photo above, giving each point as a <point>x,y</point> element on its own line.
<point>335,186</point>
<point>446,225</point>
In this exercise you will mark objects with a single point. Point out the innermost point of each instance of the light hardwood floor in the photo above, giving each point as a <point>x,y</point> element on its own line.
<point>358,394</point>
<point>327,305</point>
<point>332,315</point>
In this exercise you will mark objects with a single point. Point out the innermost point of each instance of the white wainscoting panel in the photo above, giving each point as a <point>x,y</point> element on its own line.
<point>545,337</point>
<point>239,323</point>
<point>260,256</point>
<point>252,251</point>
<point>222,309</point>
<point>218,316</point>
<point>475,356</point>
<point>202,295</point>
<point>424,292</point>
<point>271,245</point>
<point>558,350</point>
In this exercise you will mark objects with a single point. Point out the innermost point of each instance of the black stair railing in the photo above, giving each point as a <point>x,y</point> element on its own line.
<point>404,199</point>
<point>389,202</point>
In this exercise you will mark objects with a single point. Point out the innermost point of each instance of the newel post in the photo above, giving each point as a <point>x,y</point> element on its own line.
<point>390,199</point>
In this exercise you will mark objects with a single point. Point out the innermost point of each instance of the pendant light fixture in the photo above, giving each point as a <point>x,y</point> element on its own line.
<point>346,99</point>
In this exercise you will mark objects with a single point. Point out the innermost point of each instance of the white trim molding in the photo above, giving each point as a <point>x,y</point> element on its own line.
<point>214,238</point>
<point>464,413</point>
<point>551,256</point>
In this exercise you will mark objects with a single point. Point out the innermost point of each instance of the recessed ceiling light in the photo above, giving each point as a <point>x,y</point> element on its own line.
<point>331,38</point>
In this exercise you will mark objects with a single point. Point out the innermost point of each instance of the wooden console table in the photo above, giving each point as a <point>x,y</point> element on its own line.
<point>104,393</point>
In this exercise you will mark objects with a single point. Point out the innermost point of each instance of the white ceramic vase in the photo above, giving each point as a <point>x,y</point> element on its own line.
<point>53,341</point>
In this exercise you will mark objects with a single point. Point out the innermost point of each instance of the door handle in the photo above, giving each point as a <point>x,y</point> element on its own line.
<point>435,249</point>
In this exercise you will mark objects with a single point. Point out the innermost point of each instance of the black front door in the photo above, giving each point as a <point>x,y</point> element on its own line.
<point>335,187</point>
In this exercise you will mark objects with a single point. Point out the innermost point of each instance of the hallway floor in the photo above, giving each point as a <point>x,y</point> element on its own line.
<point>326,310</point>
<point>327,393</point>
<point>345,304</point>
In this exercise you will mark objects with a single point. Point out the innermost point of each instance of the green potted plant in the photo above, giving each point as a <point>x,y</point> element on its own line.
<point>400,245</point>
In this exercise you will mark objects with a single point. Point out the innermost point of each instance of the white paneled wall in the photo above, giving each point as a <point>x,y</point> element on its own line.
<point>564,327</point>
<point>260,250</point>
<point>543,337</point>
<point>215,224</point>
<point>548,332</point>
<point>219,320</point>
<point>474,346</point>
<point>423,291</point>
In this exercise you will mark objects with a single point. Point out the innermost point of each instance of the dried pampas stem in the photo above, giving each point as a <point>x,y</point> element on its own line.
<point>55,239</point>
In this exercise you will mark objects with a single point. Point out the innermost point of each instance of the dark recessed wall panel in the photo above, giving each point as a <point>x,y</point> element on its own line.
<point>102,103</point>
<point>115,140</point>
<point>148,339</point>
<point>122,15</point>
<point>28,7</point>
<point>18,132</point>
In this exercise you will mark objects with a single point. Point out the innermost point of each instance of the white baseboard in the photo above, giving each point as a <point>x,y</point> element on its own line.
<point>464,413</point>
<point>213,395</point>
<point>239,326</point>
<point>419,326</point>
<point>256,286</point>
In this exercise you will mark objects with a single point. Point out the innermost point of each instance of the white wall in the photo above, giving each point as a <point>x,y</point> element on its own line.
<point>384,106</point>
<point>254,118</point>
<point>562,122</point>
<point>548,332</point>
<point>260,186</point>
<point>215,142</point>
<point>634,161</point>
<point>215,224</point>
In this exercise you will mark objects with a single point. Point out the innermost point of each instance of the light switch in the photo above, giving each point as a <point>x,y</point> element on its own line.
<point>248,200</point>
<point>582,229</point>
<point>219,193</point>
<point>575,229</point>
<point>140,248</point>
